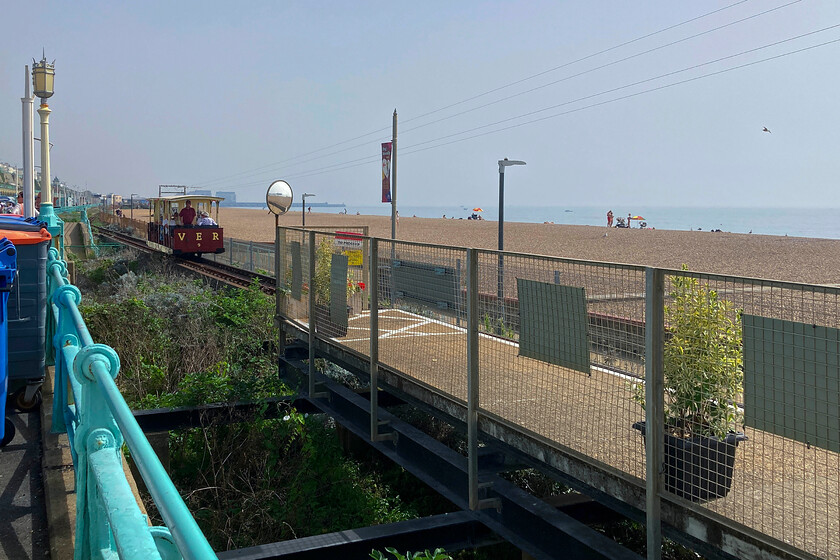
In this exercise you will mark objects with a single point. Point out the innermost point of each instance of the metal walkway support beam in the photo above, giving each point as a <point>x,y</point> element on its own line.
<point>525,521</point>
<point>452,531</point>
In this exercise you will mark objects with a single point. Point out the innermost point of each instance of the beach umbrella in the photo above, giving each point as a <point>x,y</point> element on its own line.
<point>637,218</point>
<point>477,210</point>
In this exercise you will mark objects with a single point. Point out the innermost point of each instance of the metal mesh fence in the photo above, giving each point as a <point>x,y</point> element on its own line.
<point>294,277</point>
<point>756,358</point>
<point>250,255</point>
<point>561,355</point>
<point>561,348</point>
<point>422,314</point>
<point>340,287</point>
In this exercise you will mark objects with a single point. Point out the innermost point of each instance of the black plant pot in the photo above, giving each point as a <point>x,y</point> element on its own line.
<point>323,324</point>
<point>699,468</point>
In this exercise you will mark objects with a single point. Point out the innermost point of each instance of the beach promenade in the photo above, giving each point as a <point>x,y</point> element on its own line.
<point>794,259</point>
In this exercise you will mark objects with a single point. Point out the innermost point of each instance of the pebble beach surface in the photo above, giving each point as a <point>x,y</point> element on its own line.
<point>794,259</point>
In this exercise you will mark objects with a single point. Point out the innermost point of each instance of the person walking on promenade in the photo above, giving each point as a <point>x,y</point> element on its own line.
<point>609,218</point>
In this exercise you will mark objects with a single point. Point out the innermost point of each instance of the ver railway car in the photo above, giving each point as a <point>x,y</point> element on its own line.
<point>183,225</point>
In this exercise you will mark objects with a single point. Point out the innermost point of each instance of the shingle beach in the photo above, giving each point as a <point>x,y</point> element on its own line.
<point>795,259</point>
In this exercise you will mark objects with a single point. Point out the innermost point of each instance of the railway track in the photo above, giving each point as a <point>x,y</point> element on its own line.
<point>224,273</point>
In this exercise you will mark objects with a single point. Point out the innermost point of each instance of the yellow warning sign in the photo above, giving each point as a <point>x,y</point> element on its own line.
<point>354,258</point>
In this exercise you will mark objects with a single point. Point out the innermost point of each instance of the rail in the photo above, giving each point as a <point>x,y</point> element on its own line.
<point>90,409</point>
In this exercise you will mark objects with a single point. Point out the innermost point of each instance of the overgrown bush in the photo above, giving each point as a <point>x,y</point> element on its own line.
<point>181,343</point>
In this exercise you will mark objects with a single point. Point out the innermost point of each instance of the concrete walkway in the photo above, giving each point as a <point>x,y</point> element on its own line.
<point>23,517</point>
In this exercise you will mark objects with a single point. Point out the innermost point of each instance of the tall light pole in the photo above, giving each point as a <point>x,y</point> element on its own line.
<point>500,294</point>
<point>132,204</point>
<point>43,74</point>
<point>303,207</point>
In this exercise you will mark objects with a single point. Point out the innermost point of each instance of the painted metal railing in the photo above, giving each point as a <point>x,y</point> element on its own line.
<point>90,409</point>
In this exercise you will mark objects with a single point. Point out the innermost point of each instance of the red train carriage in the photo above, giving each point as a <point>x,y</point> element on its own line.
<point>185,225</point>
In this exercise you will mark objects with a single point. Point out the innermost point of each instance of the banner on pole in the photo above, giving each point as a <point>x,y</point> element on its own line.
<point>386,172</point>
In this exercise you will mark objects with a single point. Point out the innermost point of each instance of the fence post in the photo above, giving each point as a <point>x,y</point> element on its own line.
<point>654,406</point>
<point>231,252</point>
<point>472,376</point>
<point>373,292</point>
<point>280,286</point>
<point>251,256</point>
<point>311,314</point>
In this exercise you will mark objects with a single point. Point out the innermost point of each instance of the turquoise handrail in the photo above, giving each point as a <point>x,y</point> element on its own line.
<point>86,221</point>
<point>88,406</point>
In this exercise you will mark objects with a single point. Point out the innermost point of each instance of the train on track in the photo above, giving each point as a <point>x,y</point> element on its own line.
<point>183,225</point>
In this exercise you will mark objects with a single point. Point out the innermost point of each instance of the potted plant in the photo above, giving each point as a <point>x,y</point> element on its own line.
<point>325,323</point>
<point>703,378</point>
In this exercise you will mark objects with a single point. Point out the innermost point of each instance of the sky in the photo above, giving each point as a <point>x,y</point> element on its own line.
<point>655,103</point>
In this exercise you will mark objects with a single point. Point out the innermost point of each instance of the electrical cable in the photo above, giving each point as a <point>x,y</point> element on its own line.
<point>266,168</point>
<point>587,57</point>
<point>415,148</point>
<point>608,64</point>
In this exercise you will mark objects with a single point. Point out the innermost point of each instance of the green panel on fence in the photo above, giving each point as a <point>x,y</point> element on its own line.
<point>554,325</point>
<point>792,380</point>
<point>425,283</point>
<point>338,290</point>
<point>297,270</point>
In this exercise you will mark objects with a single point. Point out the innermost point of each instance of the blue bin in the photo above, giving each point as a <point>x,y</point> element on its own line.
<point>8,269</point>
<point>19,223</point>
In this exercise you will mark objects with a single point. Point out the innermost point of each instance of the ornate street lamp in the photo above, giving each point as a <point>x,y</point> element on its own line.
<point>43,74</point>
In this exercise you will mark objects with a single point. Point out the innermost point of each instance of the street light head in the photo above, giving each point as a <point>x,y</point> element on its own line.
<point>43,74</point>
<point>308,194</point>
<point>508,162</point>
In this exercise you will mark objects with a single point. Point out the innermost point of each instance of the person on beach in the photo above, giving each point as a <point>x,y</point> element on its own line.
<point>609,218</point>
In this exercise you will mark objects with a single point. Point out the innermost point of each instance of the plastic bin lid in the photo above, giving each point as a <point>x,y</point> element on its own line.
<point>25,237</point>
<point>21,225</point>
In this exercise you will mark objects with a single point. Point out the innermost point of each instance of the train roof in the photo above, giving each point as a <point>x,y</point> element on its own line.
<point>185,197</point>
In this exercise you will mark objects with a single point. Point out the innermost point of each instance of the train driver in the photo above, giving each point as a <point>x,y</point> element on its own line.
<point>187,214</point>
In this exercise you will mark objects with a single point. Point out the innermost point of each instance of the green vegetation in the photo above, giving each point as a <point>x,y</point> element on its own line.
<point>438,554</point>
<point>181,343</point>
<point>703,361</point>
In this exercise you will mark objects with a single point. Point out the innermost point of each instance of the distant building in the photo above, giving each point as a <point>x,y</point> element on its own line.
<point>201,192</point>
<point>229,196</point>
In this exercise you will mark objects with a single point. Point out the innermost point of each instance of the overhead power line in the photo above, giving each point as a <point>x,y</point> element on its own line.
<point>271,166</point>
<point>601,67</point>
<point>567,64</point>
<point>410,149</point>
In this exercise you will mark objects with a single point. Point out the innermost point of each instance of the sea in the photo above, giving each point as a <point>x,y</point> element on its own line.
<point>795,222</point>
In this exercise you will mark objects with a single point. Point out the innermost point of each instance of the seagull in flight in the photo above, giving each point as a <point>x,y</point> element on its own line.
<point>766,130</point>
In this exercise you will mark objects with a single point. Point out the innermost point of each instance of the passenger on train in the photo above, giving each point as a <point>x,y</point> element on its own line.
<point>187,214</point>
<point>204,219</point>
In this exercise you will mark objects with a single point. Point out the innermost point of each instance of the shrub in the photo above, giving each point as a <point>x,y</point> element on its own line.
<point>702,361</point>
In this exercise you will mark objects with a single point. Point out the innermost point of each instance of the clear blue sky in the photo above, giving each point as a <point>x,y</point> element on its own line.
<point>232,95</point>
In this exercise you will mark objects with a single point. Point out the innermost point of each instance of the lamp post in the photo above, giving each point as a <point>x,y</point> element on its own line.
<point>132,204</point>
<point>303,207</point>
<point>43,74</point>
<point>500,294</point>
